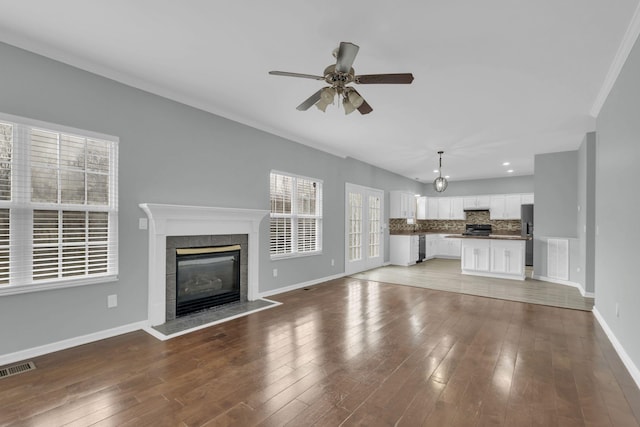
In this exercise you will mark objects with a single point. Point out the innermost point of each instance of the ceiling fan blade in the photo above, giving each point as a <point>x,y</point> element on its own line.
<point>364,108</point>
<point>346,55</point>
<point>287,74</point>
<point>310,101</point>
<point>402,78</point>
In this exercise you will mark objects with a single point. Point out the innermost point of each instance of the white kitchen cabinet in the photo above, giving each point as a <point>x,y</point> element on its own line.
<point>527,198</point>
<point>402,204</point>
<point>470,202</point>
<point>505,206</point>
<point>476,255</point>
<point>421,208</point>
<point>483,202</point>
<point>476,202</point>
<point>447,247</point>
<point>444,208</point>
<point>507,257</point>
<point>493,258</point>
<point>454,248</point>
<point>432,207</point>
<point>512,204</point>
<point>497,207</point>
<point>450,208</point>
<point>457,208</point>
<point>431,245</point>
<point>403,250</point>
<point>508,206</point>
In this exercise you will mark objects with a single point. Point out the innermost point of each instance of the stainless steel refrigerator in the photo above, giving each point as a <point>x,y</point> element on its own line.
<point>526,215</point>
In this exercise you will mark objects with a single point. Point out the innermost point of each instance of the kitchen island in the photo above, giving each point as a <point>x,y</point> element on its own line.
<point>501,256</point>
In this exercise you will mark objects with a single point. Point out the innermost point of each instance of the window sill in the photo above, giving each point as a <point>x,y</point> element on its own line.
<point>24,289</point>
<point>296,255</point>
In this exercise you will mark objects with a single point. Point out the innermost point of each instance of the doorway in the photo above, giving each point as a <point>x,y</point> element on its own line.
<point>364,232</point>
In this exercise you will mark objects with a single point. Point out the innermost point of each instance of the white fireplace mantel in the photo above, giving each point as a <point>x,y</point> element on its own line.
<point>178,220</point>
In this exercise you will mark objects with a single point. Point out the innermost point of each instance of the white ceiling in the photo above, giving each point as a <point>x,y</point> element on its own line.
<point>495,80</point>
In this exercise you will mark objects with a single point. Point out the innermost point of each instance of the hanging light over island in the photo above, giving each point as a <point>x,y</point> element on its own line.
<point>440,183</point>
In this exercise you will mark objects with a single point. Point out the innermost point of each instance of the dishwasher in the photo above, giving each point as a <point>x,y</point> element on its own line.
<point>422,248</point>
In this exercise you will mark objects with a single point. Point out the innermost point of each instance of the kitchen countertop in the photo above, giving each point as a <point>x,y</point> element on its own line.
<point>417,233</point>
<point>505,235</point>
<point>490,236</point>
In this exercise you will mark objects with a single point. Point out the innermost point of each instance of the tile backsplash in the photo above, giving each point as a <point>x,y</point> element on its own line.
<point>507,226</point>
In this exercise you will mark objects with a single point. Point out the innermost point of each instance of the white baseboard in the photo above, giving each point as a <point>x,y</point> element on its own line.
<point>565,282</point>
<point>68,343</point>
<point>628,363</point>
<point>300,285</point>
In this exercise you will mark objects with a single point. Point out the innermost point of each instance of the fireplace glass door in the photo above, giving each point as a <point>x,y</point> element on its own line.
<point>206,277</point>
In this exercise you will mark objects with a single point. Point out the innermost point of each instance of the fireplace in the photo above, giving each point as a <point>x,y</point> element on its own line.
<point>170,225</point>
<point>206,277</point>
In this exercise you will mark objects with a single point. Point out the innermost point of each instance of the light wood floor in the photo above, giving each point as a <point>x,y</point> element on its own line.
<point>444,275</point>
<point>346,352</point>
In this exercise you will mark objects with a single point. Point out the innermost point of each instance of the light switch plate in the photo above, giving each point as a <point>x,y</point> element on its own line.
<point>142,223</point>
<point>112,301</point>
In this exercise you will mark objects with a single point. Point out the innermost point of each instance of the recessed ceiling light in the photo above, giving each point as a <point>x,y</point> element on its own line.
<point>435,171</point>
<point>447,176</point>
<point>506,164</point>
<point>417,195</point>
<point>510,171</point>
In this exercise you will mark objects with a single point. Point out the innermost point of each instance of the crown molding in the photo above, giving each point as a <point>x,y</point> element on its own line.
<point>629,39</point>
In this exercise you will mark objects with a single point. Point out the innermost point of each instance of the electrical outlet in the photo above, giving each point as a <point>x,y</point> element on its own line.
<point>333,262</point>
<point>143,223</point>
<point>578,269</point>
<point>112,301</point>
<point>275,272</point>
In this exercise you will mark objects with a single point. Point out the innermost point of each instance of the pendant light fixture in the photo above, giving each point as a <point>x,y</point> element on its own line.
<point>440,183</point>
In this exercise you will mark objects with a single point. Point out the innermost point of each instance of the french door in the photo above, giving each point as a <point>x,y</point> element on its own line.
<point>364,232</point>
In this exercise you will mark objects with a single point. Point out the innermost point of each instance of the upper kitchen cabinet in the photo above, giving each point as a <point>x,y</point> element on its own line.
<point>402,204</point>
<point>432,207</point>
<point>427,207</point>
<point>507,206</point>
<point>476,202</point>
<point>457,208</point>
<point>440,208</point>
<point>527,199</point>
<point>421,207</point>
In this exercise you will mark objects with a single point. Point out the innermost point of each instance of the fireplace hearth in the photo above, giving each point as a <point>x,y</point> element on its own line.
<point>206,277</point>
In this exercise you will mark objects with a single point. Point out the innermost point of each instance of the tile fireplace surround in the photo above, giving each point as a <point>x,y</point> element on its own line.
<point>179,220</point>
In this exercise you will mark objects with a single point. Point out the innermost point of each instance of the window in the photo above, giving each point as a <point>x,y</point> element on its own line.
<point>296,215</point>
<point>58,206</point>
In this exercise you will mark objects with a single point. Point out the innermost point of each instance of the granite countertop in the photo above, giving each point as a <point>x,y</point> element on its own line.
<point>417,233</point>
<point>490,236</point>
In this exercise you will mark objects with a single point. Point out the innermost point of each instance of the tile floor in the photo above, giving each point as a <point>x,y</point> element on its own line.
<point>444,275</point>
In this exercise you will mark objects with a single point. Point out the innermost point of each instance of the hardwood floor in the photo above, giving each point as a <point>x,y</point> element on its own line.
<point>346,352</point>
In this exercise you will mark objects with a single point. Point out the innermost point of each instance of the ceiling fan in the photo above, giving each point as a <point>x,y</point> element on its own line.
<point>339,76</point>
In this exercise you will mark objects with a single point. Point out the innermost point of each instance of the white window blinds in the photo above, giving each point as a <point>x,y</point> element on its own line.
<point>296,215</point>
<point>58,206</point>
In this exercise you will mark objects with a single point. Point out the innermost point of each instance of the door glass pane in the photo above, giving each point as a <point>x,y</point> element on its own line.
<point>355,226</point>
<point>374,226</point>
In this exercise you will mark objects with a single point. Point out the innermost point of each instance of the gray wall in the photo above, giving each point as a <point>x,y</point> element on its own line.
<point>169,153</point>
<point>556,192</point>
<point>586,224</point>
<point>617,204</point>
<point>514,184</point>
<point>556,189</point>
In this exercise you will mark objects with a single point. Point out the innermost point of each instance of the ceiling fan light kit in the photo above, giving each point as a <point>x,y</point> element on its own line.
<point>340,75</point>
<point>440,184</point>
